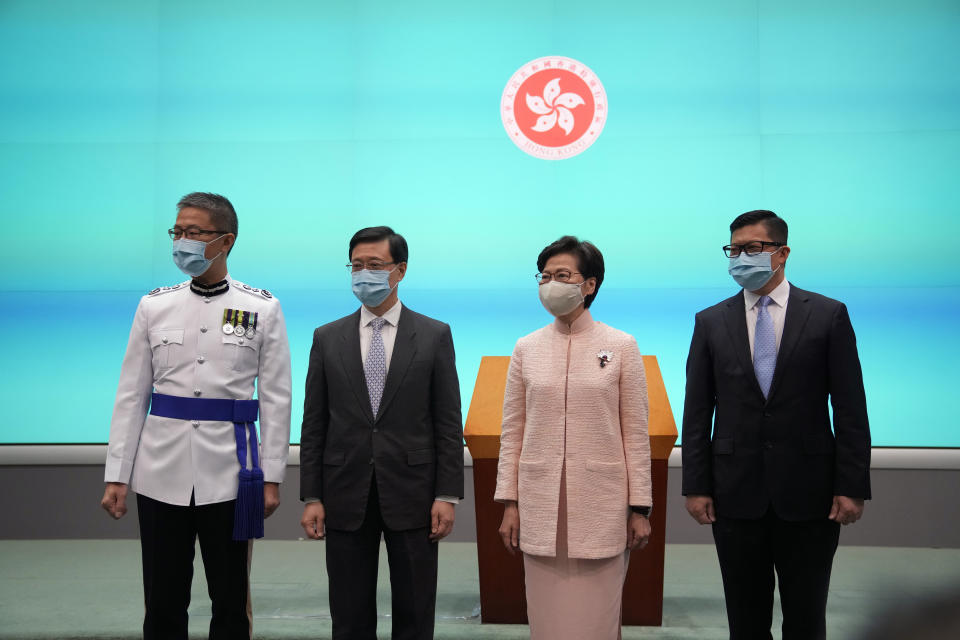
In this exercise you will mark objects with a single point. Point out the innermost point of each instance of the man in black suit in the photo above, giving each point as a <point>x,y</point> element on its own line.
<point>773,479</point>
<point>381,446</point>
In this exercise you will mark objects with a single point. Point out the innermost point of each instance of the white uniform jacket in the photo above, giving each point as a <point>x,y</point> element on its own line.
<point>177,347</point>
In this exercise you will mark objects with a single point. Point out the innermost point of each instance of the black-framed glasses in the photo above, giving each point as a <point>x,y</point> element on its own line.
<point>192,233</point>
<point>750,248</point>
<point>559,276</point>
<point>373,265</point>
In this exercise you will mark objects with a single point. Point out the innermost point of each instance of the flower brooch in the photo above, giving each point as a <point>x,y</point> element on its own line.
<point>605,357</point>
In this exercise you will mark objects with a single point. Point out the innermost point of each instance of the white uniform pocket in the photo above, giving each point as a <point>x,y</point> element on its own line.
<point>166,345</point>
<point>241,353</point>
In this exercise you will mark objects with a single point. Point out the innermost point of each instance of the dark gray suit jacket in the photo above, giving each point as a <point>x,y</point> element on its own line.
<point>781,450</point>
<point>415,442</point>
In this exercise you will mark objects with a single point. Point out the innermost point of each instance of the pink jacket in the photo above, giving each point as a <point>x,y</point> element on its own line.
<point>562,408</point>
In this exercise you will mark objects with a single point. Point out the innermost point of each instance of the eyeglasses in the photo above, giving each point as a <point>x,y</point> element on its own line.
<point>559,276</point>
<point>751,248</point>
<point>192,233</point>
<point>373,265</point>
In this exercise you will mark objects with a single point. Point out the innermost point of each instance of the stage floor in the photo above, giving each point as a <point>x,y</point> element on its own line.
<point>91,589</point>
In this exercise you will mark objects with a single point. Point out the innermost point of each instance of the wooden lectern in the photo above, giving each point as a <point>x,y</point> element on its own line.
<point>502,597</point>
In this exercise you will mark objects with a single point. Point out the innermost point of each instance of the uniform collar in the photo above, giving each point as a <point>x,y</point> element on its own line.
<point>210,290</point>
<point>778,295</point>
<point>581,324</point>
<point>391,315</point>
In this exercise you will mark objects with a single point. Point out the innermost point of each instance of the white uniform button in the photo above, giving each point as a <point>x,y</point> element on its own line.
<point>165,340</point>
<point>240,341</point>
<point>201,359</point>
<point>203,329</point>
<point>195,423</point>
<point>207,300</point>
<point>196,392</point>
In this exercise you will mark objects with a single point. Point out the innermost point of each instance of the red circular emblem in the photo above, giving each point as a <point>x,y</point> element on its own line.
<point>554,107</point>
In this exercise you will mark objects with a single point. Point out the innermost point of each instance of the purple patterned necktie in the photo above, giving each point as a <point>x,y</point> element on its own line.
<point>764,346</point>
<point>375,368</point>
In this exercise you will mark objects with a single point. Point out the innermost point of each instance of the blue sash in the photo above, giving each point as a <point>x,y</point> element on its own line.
<point>248,512</point>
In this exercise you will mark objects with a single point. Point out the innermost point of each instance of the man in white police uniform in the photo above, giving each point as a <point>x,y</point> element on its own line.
<point>184,420</point>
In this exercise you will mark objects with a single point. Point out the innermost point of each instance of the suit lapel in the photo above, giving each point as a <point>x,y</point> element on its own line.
<point>404,348</point>
<point>796,319</point>
<point>735,318</point>
<point>353,364</point>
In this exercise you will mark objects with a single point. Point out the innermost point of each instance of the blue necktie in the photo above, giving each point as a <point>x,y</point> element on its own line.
<point>764,346</point>
<point>375,368</point>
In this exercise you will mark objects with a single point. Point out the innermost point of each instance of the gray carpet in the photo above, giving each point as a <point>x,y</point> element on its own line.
<point>91,589</point>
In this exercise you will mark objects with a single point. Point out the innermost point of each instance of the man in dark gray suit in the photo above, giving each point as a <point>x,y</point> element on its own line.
<point>381,446</point>
<point>772,478</point>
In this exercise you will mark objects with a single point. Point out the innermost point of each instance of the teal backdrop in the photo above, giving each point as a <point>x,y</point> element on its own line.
<point>318,118</point>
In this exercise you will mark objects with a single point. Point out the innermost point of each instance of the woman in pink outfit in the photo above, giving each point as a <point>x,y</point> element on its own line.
<point>574,473</point>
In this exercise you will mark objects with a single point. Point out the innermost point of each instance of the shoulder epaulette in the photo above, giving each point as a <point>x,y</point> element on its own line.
<point>252,290</point>
<point>175,287</point>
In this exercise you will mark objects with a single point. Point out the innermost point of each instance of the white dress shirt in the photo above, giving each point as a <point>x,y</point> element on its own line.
<point>777,310</point>
<point>388,332</point>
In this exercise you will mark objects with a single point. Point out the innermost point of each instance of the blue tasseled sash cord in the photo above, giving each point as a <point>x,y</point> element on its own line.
<point>248,513</point>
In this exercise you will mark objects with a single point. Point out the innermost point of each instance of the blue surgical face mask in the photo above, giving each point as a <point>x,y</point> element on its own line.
<point>372,286</point>
<point>752,272</point>
<point>188,255</point>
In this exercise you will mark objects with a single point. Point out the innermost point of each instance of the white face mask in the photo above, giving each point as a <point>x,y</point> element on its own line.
<point>560,298</point>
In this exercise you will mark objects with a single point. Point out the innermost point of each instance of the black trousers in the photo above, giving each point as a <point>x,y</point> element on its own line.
<point>353,558</point>
<point>801,555</point>
<point>168,535</point>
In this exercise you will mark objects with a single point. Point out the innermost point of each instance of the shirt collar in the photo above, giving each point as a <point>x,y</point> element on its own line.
<point>581,324</point>
<point>778,295</point>
<point>391,315</point>
<point>210,290</point>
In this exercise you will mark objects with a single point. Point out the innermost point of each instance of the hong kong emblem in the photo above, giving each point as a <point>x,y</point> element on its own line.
<point>554,107</point>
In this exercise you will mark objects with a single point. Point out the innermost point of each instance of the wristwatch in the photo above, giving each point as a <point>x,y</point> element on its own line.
<point>644,511</point>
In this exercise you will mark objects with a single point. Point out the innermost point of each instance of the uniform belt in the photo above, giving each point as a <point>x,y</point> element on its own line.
<point>183,408</point>
<point>248,512</point>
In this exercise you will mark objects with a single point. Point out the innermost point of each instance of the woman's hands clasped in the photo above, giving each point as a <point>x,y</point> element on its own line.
<point>510,527</point>
<point>638,531</point>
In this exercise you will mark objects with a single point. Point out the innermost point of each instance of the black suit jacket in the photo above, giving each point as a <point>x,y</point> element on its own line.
<point>414,443</point>
<point>779,451</point>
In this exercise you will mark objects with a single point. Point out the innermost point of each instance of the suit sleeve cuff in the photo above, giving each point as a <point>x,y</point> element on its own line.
<point>117,470</point>
<point>274,469</point>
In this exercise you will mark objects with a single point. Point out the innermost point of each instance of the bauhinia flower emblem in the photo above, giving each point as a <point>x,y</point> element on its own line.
<point>605,357</point>
<point>554,107</point>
